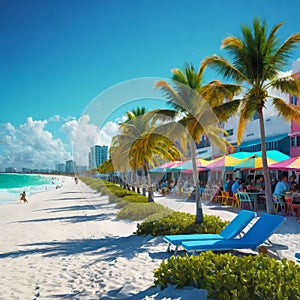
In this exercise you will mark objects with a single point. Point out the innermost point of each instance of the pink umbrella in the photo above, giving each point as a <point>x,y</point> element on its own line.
<point>292,163</point>
<point>167,167</point>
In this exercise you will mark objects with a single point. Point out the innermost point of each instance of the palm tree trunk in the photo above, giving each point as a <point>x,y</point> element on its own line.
<point>268,191</point>
<point>137,182</point>
<point>199,210</point>
<point>143,182</point>
<point>150,191</point>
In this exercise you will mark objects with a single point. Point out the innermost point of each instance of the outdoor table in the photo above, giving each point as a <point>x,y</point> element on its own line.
<point>254,197</point>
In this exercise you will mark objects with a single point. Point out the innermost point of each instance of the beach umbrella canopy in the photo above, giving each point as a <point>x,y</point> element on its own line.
<point>225,161</point>
<point>272,154</point>
<point>292,163</point>
<point>166,167</point>
<point>253,163</point>
<point>187,166</point>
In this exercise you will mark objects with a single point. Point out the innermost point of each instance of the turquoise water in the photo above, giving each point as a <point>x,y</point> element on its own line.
<point>11,185</point>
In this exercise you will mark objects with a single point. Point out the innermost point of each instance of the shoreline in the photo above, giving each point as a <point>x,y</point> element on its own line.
<point>67,243</point>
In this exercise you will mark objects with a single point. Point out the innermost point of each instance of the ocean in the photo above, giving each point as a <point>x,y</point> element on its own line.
<point>11,185</point>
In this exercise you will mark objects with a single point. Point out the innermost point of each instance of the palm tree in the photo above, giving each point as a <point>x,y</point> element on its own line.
<point>140,144</point>
<point>201,108</point>
<point>256,57</point>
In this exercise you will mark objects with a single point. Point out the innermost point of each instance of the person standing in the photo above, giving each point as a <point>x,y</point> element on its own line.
<point>23,197</point>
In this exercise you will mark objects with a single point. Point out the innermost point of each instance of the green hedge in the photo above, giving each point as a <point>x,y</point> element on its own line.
<point>226,276</point>
<point>139,211</point>
<point>180,223</point>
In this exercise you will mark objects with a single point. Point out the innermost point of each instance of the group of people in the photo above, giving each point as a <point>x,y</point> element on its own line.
<point>281,186</point>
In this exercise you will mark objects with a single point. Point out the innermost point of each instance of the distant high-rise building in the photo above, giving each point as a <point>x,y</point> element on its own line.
<point>70,166</point>
<point>97,156</point>
<point>10,170</point>
<point>60,168</point>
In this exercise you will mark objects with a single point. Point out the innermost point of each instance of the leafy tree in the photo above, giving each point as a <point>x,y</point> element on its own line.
<point>200,108</point>
<point>140,144</point>
<point>255,59</point>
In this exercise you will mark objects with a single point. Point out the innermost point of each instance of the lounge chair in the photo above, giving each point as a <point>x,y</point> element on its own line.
<point>297,255</point>
<point>233,229</point>
<point>262,229</point>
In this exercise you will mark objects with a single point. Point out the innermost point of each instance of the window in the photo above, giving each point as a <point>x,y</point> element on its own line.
<point>295,141</point>
<point>294,100</point>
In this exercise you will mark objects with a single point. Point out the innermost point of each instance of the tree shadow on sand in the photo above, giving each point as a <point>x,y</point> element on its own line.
<point>107,249</point>
<point>73,219</point>
<point>76,208</point>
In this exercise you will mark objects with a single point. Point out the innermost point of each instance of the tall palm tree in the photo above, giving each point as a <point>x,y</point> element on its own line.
<point>140,144</point>
<point>256,57</point>
<point>201,108</point>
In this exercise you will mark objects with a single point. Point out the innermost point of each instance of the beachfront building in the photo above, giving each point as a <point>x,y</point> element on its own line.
<point>60,168</point>
<point>295,128</point>
<point>97,156</point>
<point>280,135</point>
<point>70,166</point>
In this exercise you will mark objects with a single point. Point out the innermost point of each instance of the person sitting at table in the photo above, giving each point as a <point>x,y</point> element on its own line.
<point>236,186</point>
<point>261,184</point>
<point>282,186</point>
<point>250,186</point>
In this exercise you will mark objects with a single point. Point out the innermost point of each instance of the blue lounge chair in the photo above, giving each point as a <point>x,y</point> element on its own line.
<point>297,255</point>
<point>263,228</point>
<point>233,229</point>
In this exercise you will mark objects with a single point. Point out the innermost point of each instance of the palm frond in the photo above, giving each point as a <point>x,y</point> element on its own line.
<point>232,42</point>
<point>283,53</point>
<point>249,107</point>
<point>288,84</point>
<point>216,92</point>
<point>172,96</point>
<point>227,110</point>
<point>287,111</point>
<point>224,67</point>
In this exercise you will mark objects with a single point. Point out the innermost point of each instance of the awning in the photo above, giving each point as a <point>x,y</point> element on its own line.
<point>258,141</point>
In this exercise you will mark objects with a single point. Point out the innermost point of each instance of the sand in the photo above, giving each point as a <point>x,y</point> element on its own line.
<point>67,244</point>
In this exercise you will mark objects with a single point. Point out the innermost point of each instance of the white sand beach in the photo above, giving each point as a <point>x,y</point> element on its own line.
<point>67,244</point>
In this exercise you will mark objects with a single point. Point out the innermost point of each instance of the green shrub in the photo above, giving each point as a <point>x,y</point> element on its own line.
<point>121,204</point>
<point>97,184</point>
<point>180,223</point>
<point>117,193</point>
<point>136,199</point>
<point>139,211</point>
<point>226,276</point>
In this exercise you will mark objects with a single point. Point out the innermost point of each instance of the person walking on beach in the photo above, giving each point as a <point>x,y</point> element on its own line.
<point>23,197</point>
<point>76,180</point>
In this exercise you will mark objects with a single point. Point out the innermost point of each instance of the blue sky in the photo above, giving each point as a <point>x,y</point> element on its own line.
<point>57,56</point>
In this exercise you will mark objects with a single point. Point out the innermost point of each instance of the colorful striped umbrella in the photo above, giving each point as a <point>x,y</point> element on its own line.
<point>187,167</point>
<point>253,163</point>
<point>167,167</point>
<point>225,161</point>
<point>292,163</point>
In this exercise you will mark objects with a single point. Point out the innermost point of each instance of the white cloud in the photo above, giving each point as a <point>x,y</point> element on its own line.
<point>30,146</point>
<point>82,134</point>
